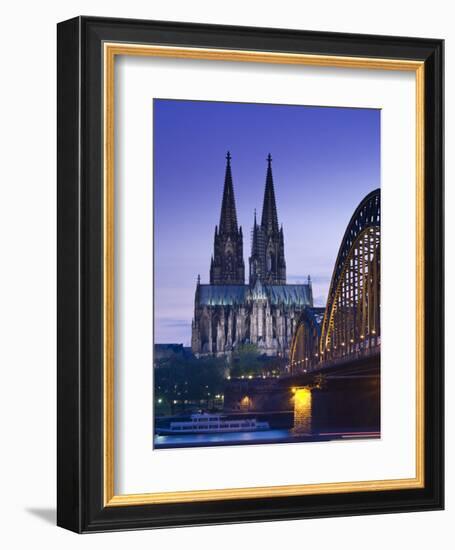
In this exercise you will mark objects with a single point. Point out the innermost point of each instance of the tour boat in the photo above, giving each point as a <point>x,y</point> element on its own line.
<point>205,423</point>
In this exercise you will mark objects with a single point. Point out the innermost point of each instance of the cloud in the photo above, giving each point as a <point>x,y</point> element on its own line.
<point>173,323</point>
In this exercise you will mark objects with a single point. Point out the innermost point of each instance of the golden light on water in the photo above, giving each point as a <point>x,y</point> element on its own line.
<point>302,411</point>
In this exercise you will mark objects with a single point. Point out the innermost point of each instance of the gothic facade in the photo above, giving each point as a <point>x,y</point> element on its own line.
<point>264,312</point>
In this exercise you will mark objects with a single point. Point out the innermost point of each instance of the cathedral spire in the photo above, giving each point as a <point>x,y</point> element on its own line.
<point>227,265</point>
<point>228,217</point>
<point>269,221</point>
<point>267,261</point>
<point>254,236</point>
<point>257,257</point>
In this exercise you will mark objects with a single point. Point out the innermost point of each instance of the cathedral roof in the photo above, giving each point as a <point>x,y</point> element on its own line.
<point>227,295</point>
<point>299,295</point>
<point>221,295</point>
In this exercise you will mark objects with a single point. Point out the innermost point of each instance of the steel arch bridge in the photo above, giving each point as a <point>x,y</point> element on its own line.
<point>351,325</point>
<point>304,352</point>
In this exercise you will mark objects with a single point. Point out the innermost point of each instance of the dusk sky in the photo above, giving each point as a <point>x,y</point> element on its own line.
<point>325,160</point>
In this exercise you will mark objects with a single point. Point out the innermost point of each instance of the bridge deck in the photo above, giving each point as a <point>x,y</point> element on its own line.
<point>349,367</point>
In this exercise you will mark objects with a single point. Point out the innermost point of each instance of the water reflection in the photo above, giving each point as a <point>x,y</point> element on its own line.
<point>311,415</point>
<point>227,438</point>
<point>302,411</point>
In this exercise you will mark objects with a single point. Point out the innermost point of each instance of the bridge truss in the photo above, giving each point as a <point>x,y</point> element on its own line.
<point>351,324</point>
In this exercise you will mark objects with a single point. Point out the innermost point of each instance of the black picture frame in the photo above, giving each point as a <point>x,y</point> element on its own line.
<point>80,473</point>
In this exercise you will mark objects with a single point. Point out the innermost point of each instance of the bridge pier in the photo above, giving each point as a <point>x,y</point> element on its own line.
<point>347,405</point>
<point>344,398</point>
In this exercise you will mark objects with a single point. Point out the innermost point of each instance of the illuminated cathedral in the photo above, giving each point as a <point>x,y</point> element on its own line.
<point>264,312</point>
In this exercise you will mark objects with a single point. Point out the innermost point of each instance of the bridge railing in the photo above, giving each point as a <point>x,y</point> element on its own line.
<point>324,362</point>
<point>351,356</point>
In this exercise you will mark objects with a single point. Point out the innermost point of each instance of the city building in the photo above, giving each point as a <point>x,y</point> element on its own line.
<point>265,311</point>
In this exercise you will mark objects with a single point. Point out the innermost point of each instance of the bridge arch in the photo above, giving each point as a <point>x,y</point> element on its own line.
<point>352,321</point>
<point>350,324</point>
<point>304,352</point>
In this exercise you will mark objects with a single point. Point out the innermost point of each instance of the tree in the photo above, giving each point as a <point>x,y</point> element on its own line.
<point>179,379</point>
<point>246,361</point>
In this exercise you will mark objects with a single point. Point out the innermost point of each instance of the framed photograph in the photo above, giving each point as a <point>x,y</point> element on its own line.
<point>250,274</point>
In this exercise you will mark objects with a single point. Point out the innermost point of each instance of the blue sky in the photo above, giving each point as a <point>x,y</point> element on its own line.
<point>325,160</point>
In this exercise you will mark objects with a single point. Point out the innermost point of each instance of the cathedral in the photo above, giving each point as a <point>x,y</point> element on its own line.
<point>264,312</point>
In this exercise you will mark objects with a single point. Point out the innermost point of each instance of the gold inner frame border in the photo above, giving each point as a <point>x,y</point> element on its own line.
<point>110,51</point>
